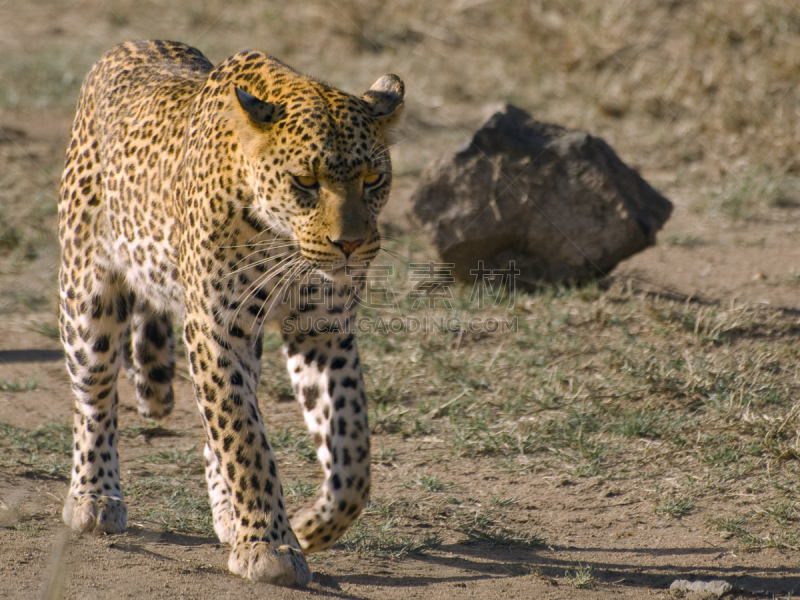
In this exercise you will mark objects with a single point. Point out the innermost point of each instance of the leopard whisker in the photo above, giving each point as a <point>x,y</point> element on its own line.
<point>266,258</point>
<point>245,296</point>
<point>284,244</point>
<point>289,276</point>
<point>287,242</point>
<point>297,269</point>
<point>261,261</point>
<point>261,280</point>
<point>383,151</point>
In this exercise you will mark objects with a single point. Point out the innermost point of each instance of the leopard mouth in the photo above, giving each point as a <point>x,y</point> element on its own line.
<point>336,266</point>
<point>340,271</point>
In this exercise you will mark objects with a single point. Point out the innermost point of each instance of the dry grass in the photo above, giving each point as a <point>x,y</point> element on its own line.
<point>603,381</point>
<point>599,381</point>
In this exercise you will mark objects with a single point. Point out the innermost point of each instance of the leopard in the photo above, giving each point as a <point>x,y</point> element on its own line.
<point>222,199</point>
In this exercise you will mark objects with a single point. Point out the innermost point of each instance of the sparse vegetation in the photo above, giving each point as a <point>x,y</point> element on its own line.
<point>675,507</point>
<point>53,439</point>
<point>581,577</point>
<point>776,533</point>
<point>501,536</point>
<point>299,490</point>
<point>188,458</point>
<point>45,450</point>
<point>754,193</point>
<point>47,330</point>
<point>429,483</point>
<point>10,385</point>
<point>382,540</point>
<point>173,503</point>
<point>502,500</point>
<point>572,402</point>
<point>687,240</point>
<point>29,529</point>
<point>295,441</point>
<point>384,455</point>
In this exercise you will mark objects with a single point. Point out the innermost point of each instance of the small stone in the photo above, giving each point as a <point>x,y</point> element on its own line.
<point>703,589</point>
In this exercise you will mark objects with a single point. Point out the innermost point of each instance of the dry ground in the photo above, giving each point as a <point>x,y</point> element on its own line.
<point>628,434</point>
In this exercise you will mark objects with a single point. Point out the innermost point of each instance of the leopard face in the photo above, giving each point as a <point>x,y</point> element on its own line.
<point>318,165</point>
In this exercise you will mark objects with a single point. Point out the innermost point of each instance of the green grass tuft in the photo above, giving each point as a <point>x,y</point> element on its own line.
<point>13,385</point>
<point>429,483</point>
<point>295,441</point>
<point>581,577</point>
<point>171,503</point>
<point>675,507</point>
<point>380,540</point>
<point>55,438</point>
<point>501,536</point>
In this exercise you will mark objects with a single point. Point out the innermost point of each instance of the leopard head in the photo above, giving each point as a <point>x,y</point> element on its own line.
<point>317,162</point>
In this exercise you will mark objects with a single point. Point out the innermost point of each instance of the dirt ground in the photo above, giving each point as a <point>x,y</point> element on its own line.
<point>609,525</point>
<point>704,254</point>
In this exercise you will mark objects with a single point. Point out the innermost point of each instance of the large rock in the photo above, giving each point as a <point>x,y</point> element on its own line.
<point>556,201</point>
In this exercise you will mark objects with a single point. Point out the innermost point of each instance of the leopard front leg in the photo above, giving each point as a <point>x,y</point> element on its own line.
<point>220,496</point>
<point>326,376</point>
<point>92,327</point>
<point>245,490</point>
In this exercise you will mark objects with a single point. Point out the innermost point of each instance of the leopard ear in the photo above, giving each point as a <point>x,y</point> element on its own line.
<point>385,98</point>
<point>259,111</point>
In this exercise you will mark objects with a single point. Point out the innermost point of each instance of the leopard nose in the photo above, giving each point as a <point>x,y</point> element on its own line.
<point>347,246</point>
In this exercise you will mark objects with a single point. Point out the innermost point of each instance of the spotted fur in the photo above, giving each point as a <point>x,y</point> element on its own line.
<point>228,197</point>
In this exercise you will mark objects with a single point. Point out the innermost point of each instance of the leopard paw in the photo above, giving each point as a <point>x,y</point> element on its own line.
<point>92,512</point>
<point>258,561</point>
<point>223,522</point>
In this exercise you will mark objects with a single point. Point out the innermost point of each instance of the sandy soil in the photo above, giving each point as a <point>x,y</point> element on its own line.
<point>609,525</point>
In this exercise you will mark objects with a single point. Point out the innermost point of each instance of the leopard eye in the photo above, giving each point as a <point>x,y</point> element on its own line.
<point>373,180</point>
<point>305,182</point>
